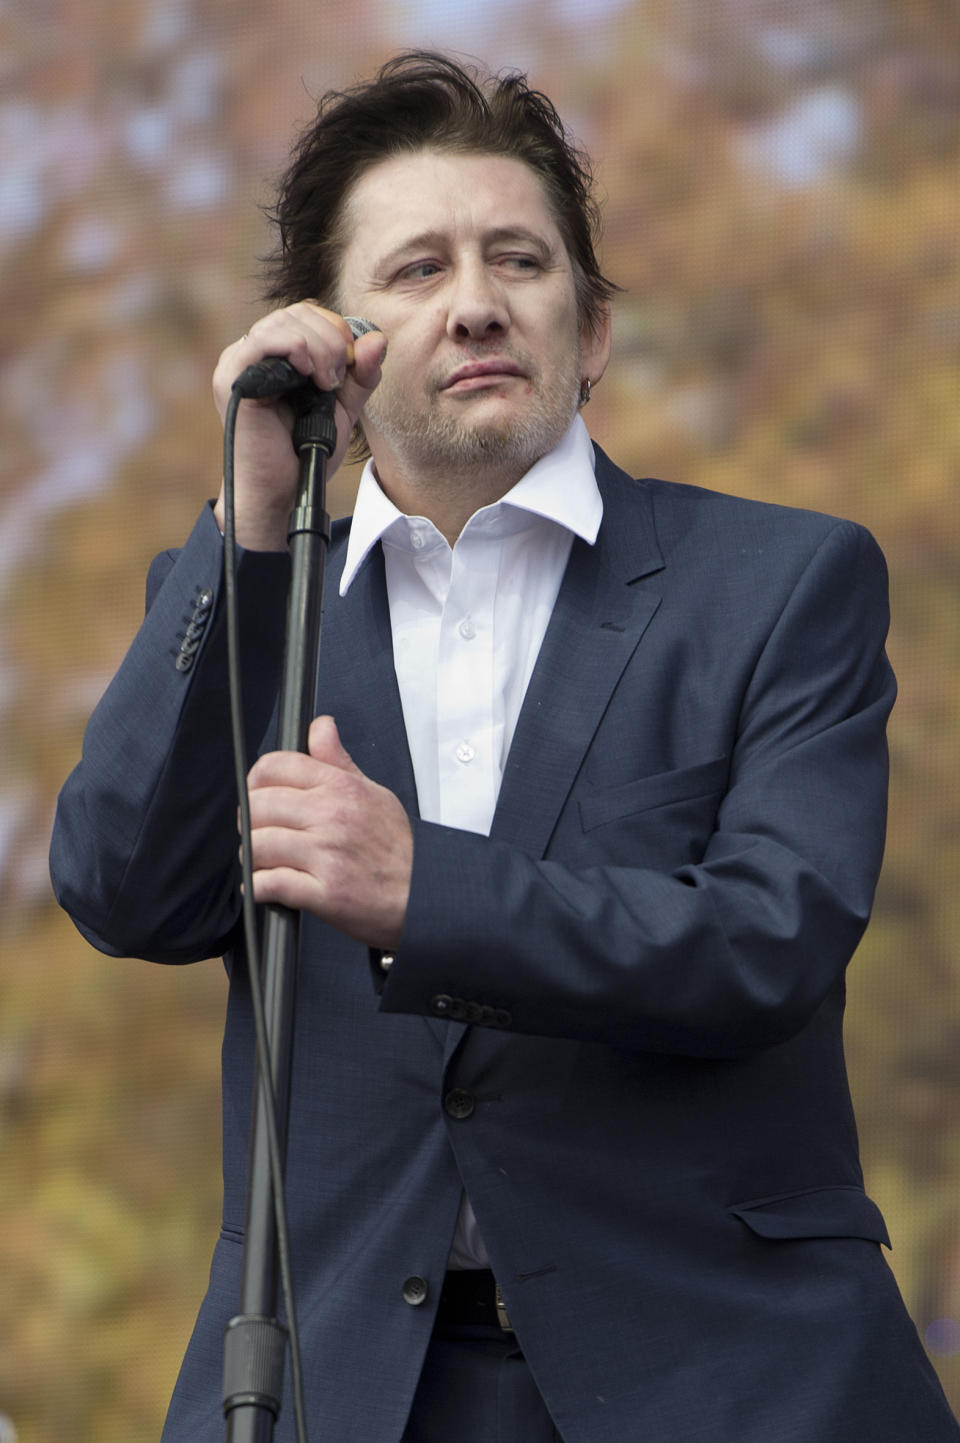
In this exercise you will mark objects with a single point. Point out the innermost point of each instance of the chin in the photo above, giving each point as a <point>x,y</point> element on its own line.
<point>491,433</point>
<point>492,430</point>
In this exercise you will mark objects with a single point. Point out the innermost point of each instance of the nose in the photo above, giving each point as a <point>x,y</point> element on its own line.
<point>477,306</point>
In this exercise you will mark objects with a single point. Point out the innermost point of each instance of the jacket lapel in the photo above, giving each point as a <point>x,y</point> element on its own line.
<point>357,682</point>
<point>357,685</point>
<point>599,618</point>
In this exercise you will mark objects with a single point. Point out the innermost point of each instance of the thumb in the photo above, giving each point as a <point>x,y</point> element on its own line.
<point>369,350</point>
<point>324,745</point>
<point>363,374</point>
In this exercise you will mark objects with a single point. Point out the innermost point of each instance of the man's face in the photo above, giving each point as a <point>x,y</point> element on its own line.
<point>459,260</point>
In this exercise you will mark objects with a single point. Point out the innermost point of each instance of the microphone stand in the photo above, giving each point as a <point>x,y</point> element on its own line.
<point>255,1340</point>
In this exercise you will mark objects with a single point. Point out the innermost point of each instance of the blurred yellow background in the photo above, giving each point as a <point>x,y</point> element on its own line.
<point>782,187</point>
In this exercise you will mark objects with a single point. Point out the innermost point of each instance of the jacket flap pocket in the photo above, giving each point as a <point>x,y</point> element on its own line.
<point>663,789</point>
<point>822,1212</point>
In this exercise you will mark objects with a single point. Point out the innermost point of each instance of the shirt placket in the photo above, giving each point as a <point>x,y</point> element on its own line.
<point>467,753</point>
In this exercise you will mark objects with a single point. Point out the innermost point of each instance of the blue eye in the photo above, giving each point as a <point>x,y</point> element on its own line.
<point>421,271</point>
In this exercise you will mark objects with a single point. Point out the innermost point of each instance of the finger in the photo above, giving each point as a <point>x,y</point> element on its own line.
<point>287,858</point>
<point>294,808</point>
<point>286,887</point>
<point>281,845</point>
<point>324,745</point>
<point>314,309</point>
<point>365,355</point>
<point>369,352</point>
<point>356,391</point>
<point>315,347</point>
<point>318,343</point>
<point>283,769</point>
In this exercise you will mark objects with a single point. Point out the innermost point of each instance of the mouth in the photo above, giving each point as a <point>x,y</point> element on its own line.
<point>476,375</point>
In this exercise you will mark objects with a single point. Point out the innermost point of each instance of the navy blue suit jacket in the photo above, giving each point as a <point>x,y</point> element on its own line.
<point>638,978</point>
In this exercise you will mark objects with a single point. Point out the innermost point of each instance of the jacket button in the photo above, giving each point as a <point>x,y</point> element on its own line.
<point>415,1291</point>
<point>440,1005</point>
<point>458,1103</point>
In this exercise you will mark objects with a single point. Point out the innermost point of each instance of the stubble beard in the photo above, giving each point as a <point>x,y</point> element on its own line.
<point>440,443</point>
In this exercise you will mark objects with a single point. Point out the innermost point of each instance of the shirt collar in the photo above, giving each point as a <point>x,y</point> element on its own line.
<point>560,487</point>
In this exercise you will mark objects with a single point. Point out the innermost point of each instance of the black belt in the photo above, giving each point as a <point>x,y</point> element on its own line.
<point>473,1298</point>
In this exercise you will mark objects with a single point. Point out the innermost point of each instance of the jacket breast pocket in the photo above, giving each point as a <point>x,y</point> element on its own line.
<point>685,787</point>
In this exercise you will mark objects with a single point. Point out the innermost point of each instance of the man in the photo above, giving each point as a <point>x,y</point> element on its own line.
<point>588,830</point>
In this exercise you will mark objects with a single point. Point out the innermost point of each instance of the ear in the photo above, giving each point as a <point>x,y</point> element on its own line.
<point>595,342</point>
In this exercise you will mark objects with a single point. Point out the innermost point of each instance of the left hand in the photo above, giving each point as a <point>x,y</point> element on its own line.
<point>328,840</point>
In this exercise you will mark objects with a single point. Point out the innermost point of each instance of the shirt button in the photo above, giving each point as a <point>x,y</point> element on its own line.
<point>465,752</point>
<point>415,1291</point>
<point>467,629</point>
<point>416,540</point>
<point>458,1103</point>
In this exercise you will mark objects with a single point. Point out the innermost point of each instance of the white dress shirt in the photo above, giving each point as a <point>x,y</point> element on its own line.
<point>467,623</point>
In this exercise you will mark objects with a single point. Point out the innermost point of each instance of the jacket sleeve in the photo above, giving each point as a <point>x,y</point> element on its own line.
<point>720,956</point>
<point>144,853</point>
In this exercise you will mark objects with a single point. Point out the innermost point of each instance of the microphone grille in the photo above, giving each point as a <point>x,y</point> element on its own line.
<point>359,326</point>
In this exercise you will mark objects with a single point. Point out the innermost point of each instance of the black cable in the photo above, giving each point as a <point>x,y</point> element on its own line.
<point>265,1068</point>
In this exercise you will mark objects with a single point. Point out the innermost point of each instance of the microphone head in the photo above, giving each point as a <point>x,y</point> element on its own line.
<point>359,326</point>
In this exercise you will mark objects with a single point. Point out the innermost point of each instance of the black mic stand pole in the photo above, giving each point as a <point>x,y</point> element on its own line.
<point>255,1341</point>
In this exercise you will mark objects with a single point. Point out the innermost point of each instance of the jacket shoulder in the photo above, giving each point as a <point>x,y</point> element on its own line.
<point>678,506</point>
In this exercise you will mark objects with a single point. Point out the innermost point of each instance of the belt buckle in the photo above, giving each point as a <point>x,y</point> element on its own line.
<point>503,1317</point>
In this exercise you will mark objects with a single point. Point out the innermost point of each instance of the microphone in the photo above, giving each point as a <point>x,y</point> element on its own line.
<point>275,376</point>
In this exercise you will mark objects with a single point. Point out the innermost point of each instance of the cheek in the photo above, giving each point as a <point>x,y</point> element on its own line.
<point>557,331</point>
<point>411,351</point>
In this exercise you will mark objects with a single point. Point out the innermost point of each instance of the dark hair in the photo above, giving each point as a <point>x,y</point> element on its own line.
<point>421,100</point>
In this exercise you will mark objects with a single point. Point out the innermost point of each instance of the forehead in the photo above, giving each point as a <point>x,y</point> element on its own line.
<point>461,197</point>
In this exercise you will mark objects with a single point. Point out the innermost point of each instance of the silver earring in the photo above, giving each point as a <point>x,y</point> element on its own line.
<point>584,391</point>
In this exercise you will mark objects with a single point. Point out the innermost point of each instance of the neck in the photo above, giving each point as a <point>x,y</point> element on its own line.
<point>448,501</point>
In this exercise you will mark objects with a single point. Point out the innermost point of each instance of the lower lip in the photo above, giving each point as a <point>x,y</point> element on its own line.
<point>479,383</point>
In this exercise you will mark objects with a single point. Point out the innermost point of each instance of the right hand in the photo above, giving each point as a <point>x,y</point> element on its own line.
<point>320,344</point>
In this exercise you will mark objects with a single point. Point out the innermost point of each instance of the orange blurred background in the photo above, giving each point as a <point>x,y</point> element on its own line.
<point>781,188</point>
